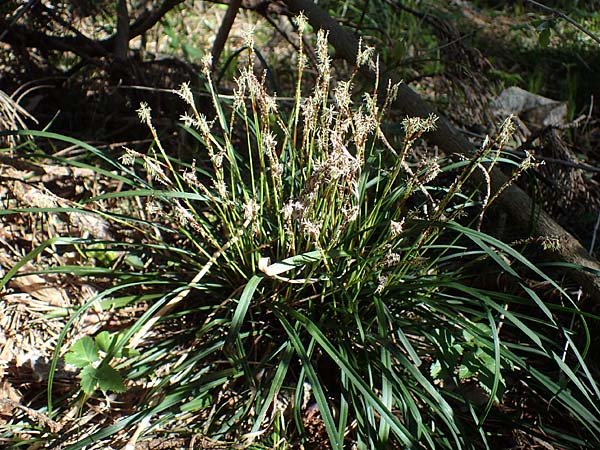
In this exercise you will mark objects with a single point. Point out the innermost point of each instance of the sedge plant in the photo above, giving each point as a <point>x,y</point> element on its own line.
<point>306,275</point>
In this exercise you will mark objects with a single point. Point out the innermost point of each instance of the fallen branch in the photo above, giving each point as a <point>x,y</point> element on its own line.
<point>527,217</point>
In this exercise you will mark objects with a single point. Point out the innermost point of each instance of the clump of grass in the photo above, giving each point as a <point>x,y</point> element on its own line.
<point>307,276</point>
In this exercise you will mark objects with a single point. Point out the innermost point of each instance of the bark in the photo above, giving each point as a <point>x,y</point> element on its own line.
<point>122,37</point>
<point>527,218</point>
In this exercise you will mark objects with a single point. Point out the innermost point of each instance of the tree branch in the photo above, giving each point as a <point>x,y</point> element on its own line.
<point>224,29</point>
<point>80,44</point>
<point>122,36</point>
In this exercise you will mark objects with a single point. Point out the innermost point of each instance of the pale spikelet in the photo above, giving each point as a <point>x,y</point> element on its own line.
<point>203,124</point>
<point>128,159</point>
<point>221,188</point>
<point>310,110</point>
<point>433,170</point>
<point>155,171</point>
<point>343,124</point>
<point>251,209</point>
<point>145,113</point>
<point>391,92</point>
<point>312,229</point>
<point>328,116</point>
<point>249,81</point>
<point>269,102</point>
<point>188,120</point>
<point>270,150</point>
<point>184,217</point>
<point>341,93</point>
<point>340,162</point>
<point>323,59</point>
<point>288,210</point>
<point>364,126</point>
<point>151,163</point>
<point>256,88</point>
<point>269,144</point>
<point>396,228</point>
<point>414,127</point>
<point>370,103</point>
<point>322,140</point>
<point>239,92</point>
<point>185,93</point>
<point>295,210</point>
<point>217,160</point>
<point>529,161</point>
<point>507,130</point>
<point>277,172</point>
<point>302,60</point>
<point>551,243</point>
<point>487,193</point>
<point>487,143</point>
<point>365,55</point>
<point>301,22</point>
<point>381,284</point>
<point>313,184</point>
<point>200,123</point>
<point>248,37</point>
<point>153,208</point>
<point>189,175</point>
<point>206,64</point>
<point>351,213</point>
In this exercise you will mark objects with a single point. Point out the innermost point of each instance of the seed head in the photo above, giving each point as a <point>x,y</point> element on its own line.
<point>144,113</point>
<point>185,93</point>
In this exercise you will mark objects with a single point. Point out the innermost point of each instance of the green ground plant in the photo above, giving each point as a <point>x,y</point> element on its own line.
<point>306,264</point>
